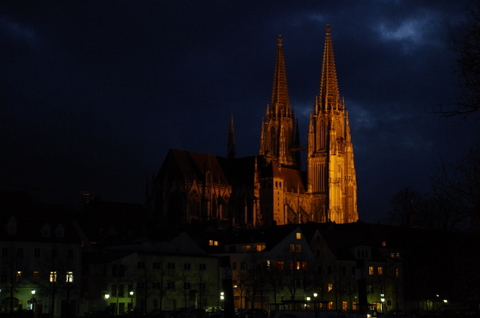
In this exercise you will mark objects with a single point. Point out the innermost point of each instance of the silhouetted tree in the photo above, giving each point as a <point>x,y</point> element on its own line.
<point>406,208</point>
<point>252,276</point>
<point>11,267</point>
<point>442,212</point>
<point>459,183</point>
<point>467,45</point>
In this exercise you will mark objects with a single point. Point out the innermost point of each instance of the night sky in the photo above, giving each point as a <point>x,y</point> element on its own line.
<point>94,93</point>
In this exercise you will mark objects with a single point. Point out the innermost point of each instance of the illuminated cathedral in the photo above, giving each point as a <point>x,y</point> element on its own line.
<point>269,188</point>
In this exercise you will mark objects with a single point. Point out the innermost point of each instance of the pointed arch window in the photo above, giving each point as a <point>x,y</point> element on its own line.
<point>194,204</point>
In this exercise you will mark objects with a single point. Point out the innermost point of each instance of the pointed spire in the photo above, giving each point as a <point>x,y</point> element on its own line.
<point>329,94</point>
<point>231,151</point>
<point>280,101</point>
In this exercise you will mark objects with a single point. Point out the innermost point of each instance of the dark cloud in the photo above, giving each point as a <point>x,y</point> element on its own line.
<point>94,93</point>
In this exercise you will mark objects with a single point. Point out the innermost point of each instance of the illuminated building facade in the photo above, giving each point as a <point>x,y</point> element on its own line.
<point>269,188</point>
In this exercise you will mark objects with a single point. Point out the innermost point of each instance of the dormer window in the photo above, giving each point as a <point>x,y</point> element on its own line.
<point>60,230</point>
<point>362,252</point>
<point>46,230</point>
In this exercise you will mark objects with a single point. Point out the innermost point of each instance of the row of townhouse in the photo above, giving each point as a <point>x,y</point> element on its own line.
<point>111,257</point>
<point>314,266</point>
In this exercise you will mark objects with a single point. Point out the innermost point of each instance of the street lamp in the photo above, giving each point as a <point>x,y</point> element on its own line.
<point>131,299</point>
<point>32,301</point>
<point>106,300</point>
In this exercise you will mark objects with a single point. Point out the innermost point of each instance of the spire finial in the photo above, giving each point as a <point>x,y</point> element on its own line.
<point>231,147</point>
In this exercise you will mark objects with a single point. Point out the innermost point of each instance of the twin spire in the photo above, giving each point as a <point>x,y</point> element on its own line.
<point>280,139</point>
<point>280,102</point>
<point>329,97</point>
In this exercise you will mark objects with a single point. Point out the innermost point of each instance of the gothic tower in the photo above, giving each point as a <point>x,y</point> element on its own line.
<point>331,171</point>
<point>278,140</point>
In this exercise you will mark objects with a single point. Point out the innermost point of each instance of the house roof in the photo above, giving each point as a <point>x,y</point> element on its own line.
<point>31,216</point>
<point>103,221</point>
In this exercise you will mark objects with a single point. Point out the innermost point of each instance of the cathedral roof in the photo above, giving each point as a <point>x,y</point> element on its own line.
<point>189,164</point>
<point>295,180</point>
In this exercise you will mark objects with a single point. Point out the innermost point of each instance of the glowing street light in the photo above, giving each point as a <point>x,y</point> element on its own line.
<point>131,299</point>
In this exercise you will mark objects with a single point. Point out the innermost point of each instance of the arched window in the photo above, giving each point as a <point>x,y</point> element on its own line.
<point>193,204</point>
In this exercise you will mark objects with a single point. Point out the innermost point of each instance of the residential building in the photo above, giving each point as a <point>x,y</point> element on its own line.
<point>41,254</point>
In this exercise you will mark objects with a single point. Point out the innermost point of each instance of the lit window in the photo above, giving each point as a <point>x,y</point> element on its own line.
<point>397,255</point>
<point>298,248</point>
<point>291,248</point>
<point>329,287</point>
<point>397,272</point>
<point>246,248</point>
<point>53,276</point>
<point>260,247</point>
<point>18,277</point>
<point>215,243</point>
<point>370,270</point>
<point>69,277</point>
<point>278,265</point>
<point>380,270</point>
<point>210,242</point>
<point>298,236</point>
<point>384,243</point>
